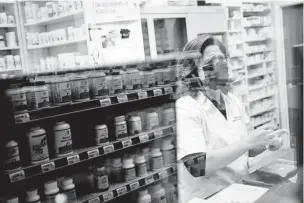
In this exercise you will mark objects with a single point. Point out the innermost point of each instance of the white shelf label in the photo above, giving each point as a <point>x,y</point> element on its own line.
<point>126,143</point>
<point>122,98</point>
<point>168,90</point>
<point>121,191</point>
<point>157,92</point>
<point>162,174</point>
<point>142,95</point>
<point>134,185</point>
<point>93,153</point>
<point>94,200</point>
<point>108,149</point>
<point>47,167</point>
<point>108,196</point>
<point>73,159</point>
<point>174,168</point>
<point>144,138</point>
<point>158,133</point>
<point>105,102</point>
<point>19,175</point>
<point>149,180</point>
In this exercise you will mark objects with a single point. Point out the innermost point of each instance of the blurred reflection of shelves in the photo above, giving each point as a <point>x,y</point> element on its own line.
<point>263,72</point>
<point>255,113</point>
<point>58,44</point>
<point>255,87</point>
<point>7,25</point>
<point>261,97</point>
<point>8,48</point>
<point>256,26</point>
<point>259,51</point>
<point>262,122</point>
<point>256,40</point>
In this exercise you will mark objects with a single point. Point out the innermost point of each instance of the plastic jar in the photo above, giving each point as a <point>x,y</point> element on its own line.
<point>121,130</point>
<point>50,191</point>
<point>144,197</point>
<point>2,43</point>
<point>101,182</point>
<point>61,91</point>
<point>158,193</point>
<point>68,188</point>
<point>12,158</point>
<point>101,134</point>
<point>174,72</point>
<point>12,200</point>
<point>146,153</point>
<point>168,116</point>
<point>168,150</point>
<point>10,65</point>
<point>148,78</point>
<point>152,120</point>
<point>38,145</point>
<point>32,196</point>
<point>117,170</point>
<point>17,97</point>
<point>134,125</point>
<point>132,78</point>
<point>63,139</point>
<point>98,85</point>
<point>80,88</point>
<point>157,161</point>
<point>140,165</point>
<point>129,172</point>
<point>115,83</point>
<point>37,95</point>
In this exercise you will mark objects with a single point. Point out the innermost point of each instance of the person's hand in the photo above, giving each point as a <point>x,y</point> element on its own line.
<point>278,140</point>
<point>259,138</point>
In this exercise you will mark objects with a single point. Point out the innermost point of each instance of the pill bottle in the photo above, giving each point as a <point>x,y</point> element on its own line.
<point>101,134</point>
<point>115,83</point>
<point>134,125</point>
<point>171,191</point>
<point>12,158</point>
<point>80,88</point>
<point>133,78</point>
<point>98,85</point>
<point>12,200</point>
<point>117,170</point>
<point>129,172</point>
<point>146,153</point>
<point>158,76</point>
<point>152,120</point>
<point>37,95</point>
<point>17,96</point>
<point>158,193</point>
<point>101,181</point>
<point>144,197</point>
<point>140,165</point>
<point>63,139</point>
<point>166,74</point>
<point>50,191</point>
<point>168,150</point>
<point>156,159</point>
<point>32,196</point>
<point>38,145</point>
<point>61,91</point>
<point>148,78</point>
<point>168,116</point>
<point>68,188</point>
<point>121,130</point>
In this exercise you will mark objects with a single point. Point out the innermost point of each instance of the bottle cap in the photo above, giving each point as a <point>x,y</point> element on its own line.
<point>154,188</point>
<point>67,181</point>
<point>128,161</point>
<point>32,192</point>
<point>100,127</point>
<point>116,162</point>
<point>119,119</point>
<point>12,200</point>
<point>52,184</point>
<point>11,143</point>
<point>140,159</point>
<point>166,143</point>
<point>155,150</point>
<point>143,192</point>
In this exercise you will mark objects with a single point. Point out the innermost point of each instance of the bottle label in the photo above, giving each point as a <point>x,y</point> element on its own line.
<point>37,99</point>
<point>61,92</point>
<point>135,127</point>
<point>117,174</point>
<point>169,156</point>
<point>19,102</point>
<point>102,182</point>
<point>166,77</point>
<point>12,160</point>
<point>21,118</point>
<point>115,86</point>
<point>121,131</point>
<point>38,147</point>
<point>141,169</point>
<point>50,198</point>
<point>157,162</point>
<point>152,122</point>
<point>71,195</point>
<point>63,141</point>
<point>159,78</point>
<point>169,118</point>
<point>80,89</point>
<point>99,87</point>
<point>129,173</point>
<point>101,135</point>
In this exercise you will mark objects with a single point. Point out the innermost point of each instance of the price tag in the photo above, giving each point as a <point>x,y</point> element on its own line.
<point>93,153</point>
<point>19,175</point>
<point>47,167</point>
<point>157,92</point>
<point>158,133</point>
<point>174,168</point>
<point>73,159</point>
<point>108,196</point>
<point>108,149</point>
<point>142,95</point>
<point>168,90</point>
<point>144,138</point>
<point>105,102</point>
<point>126,143</point>
<point>162,174</point>
<point>174,129</point>
<point>121,191</point>
<point>122,98</point>
<point>134,185</point>
<point>149,180</point>
<point>94,200</point>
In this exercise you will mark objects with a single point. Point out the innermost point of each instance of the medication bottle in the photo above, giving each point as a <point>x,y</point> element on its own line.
<point>144,197</point>
<point>101,182</point>
<point>61,91</point>
<point>129,171</point>
<point>140,165</point>
<point>117,170</point>
<point>38,145</point>
<point>148,78</point>
<point>63,139</point>
<point>101,134</point>
<point>32,196</point>
<point>98,85</point>
<point>156,159</point>
<point>171,191</point>
<point>134,125</point>
<point>17,96</point>
<point>115,83</point>
<point>50,191</point>
<point>68,188</point>
<point>12,158</point>
<point>168,150</point>
<point>158,193</point>
<point>146,153</point>
<point>12,200</point>
<point>168,116</point>
<point>108,166</point>
<point>121,130</point>
<point>80,88</point>
<point>152,120</point>
<point>37,95</point>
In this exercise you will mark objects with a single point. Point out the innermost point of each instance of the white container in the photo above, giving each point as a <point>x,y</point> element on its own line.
<point>38,145</point>
<point>68,188</point>
<point>157,161</point>
<point>140,165</point>
<point>50,191</point>
<point>144,197</point>
<point>101,134</point>
<point>158,193</point>
<point>168,116</point>
<point>146,153</point>
<point>101,181</point>
<point>98,85</point>
<point>12,158</point>
<point>61,91</point>
<point>10,19</point>
<point>134,125</point>
<point>132,79</point>
<point>115,83</point>
<point>12,200</point>
<point>152,120</point>
<point>63,139</point>
<point>80,88</point>
<point>168,150</point>
<point>117,170</point>
<point>148,78</point>
<point>121,130</point>
<point>32,196</point>
<point>129,171</point>
<point>37,95</point>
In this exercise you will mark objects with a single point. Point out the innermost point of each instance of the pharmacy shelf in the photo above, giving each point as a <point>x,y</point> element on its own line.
<point>82,155</point>
<point>256,63</point>
<point>7,26</point>
<point>260,51</point>
<point>262,122</point>
<point>59,44</point>
<point>234,30</point>
<point>57,19</point>
<point>262,73</point>
<point>262,111</point>
<point>255,87</point>
<point>261,97</point>
<point>9,48</point>
<point>256,26</point>
<point>256,40</point>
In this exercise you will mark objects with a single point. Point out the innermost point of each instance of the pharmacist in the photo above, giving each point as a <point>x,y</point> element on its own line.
<point>212,120</point>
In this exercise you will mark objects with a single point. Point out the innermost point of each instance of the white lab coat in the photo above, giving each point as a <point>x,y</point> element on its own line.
<point>201,127</point>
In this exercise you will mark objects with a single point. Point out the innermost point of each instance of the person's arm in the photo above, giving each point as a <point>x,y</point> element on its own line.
<point>258,150</point>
